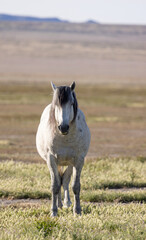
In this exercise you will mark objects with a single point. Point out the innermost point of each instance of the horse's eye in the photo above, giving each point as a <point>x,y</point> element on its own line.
<point>72,104</point>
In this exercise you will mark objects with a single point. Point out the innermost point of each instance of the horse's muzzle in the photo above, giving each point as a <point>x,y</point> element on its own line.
<point>64,129</point>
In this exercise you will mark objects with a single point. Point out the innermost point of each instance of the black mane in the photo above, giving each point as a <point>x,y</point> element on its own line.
<point>75,106</point>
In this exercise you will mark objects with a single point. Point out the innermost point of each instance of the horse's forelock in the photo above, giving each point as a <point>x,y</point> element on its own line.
<point>62,96</point>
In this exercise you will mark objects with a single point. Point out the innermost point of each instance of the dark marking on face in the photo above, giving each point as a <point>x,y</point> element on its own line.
<point>64,95</point>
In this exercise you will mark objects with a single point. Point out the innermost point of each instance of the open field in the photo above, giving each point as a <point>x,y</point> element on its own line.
<point>108,65</point>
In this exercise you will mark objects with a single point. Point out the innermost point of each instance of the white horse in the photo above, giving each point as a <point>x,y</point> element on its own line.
<point>63,139</point>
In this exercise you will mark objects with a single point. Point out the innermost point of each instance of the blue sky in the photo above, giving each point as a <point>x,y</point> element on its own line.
<point>104,11</point>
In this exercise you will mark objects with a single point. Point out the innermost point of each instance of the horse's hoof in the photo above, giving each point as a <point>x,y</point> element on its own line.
<point>77,214</point>
<point>53,214</point>
<point>60,205</point>
<point>67,204</point>
<point>77,211</point>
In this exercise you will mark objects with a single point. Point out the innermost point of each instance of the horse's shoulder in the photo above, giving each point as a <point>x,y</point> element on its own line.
<point>80,115</point>
<point>46,113</point>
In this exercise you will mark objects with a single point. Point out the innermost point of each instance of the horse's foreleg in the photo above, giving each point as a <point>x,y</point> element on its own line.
<point>76,185</point>
<point>65,181</point>
<point>55,183</point>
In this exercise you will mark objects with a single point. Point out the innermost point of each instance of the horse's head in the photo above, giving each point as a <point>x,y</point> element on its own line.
<point>65,107</point>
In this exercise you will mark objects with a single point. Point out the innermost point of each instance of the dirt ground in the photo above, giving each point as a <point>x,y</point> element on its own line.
<point>108,64</point>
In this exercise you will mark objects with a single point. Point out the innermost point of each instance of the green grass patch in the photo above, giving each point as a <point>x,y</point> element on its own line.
<point>24,194</point>
<point>114,196</point>
<point>112,173</point>
<point>46,225</point>
<point>141,159</point>
<point>104,221</point>
<point>21,180</point>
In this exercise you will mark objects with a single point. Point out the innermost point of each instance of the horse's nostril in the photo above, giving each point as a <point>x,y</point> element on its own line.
<point>63,128</point>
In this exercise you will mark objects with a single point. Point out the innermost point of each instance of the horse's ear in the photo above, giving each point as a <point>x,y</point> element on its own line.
<point>53,86</point>
<point>72,86</point>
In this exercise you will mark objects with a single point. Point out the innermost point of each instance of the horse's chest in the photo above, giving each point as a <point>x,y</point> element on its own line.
<point>64,149</point>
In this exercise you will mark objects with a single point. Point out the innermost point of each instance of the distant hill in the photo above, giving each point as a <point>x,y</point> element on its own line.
<point>7,17</point>
<point>92,21</point>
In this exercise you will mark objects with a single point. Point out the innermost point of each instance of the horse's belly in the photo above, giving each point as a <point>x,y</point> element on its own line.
<point>62,161</point>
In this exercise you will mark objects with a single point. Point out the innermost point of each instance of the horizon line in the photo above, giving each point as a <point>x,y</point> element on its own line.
<point>69,21</point>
